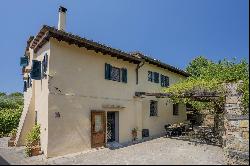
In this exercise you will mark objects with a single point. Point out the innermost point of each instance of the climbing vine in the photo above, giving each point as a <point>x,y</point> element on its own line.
<point>208,77</point>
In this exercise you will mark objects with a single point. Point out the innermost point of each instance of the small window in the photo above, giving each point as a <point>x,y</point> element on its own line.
<point>150,76</point>
<point>164,81</point>
<point>175,109</point>
<point>115,74</point>
<point>153,108</point>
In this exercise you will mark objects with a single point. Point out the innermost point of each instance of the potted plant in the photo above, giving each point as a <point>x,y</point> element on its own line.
<point>11,141</point>
<point>33,147</point>
<point>134,133</point>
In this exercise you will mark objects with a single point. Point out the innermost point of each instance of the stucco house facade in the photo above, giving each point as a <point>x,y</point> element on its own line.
<point>85,94</point>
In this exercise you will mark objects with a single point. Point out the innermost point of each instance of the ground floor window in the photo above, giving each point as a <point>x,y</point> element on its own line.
<point>153,108</point>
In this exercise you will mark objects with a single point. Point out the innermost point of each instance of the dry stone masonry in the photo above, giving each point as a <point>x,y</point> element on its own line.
<point>236,136</point>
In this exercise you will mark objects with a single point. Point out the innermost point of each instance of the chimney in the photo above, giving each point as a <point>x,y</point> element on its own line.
<point>62,18</point>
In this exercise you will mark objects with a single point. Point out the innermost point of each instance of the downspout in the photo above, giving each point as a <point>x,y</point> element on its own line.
<point>137,69</point>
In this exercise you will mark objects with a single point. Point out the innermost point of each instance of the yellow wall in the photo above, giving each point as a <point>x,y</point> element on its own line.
<point>41,99</point>
<point>76,85</point>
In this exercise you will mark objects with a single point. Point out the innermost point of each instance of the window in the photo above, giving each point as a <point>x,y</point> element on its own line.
<point>164,81</point>
<point>115,73</point>
<point>156,77</point>
<point>150,76</point>
<point>153,108</point>
<point>153,76</point>
<point>175,109</point>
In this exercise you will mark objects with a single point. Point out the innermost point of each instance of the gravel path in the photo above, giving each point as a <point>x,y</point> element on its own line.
<point>158,151</point>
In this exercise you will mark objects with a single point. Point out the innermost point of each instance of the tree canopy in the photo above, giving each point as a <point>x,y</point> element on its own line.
<point>209,76</point>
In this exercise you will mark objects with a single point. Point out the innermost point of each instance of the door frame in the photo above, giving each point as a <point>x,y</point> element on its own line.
<point>103,113</point>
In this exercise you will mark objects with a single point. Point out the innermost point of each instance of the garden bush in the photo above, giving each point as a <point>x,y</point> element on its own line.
<point>9,119</point>
<point>32,139</point>
<point>11,107</point>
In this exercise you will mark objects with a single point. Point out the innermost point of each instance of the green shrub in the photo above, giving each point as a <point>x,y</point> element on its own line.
<point>32,139</point>
<point>11,107</point>
<point>13,133</point>
<point>27,151</point>
<point>9,120</point>
<point>33,136</point>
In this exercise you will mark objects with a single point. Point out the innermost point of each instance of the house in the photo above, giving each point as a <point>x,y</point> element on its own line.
<point>85,94</point>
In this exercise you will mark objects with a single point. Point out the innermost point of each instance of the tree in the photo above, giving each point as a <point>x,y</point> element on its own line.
<point>2,94</point>
<point>196,66</point>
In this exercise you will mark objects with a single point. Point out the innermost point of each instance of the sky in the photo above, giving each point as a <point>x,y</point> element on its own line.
<point>173,31</point>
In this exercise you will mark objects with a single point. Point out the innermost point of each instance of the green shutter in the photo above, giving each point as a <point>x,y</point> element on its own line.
<point>108,68</point>
<point>156,77</point>
<point>167,81</point>
<point>162,80</point>
<point>24,61</point>
<point>45,63</point>
<point>36,70</point>
<point>24,86</point>
<point>124,75</point>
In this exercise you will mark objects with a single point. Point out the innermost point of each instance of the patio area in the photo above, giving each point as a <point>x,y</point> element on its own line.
<point>157,151</point>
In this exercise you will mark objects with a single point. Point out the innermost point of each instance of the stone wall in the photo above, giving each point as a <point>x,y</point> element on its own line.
<point>236,135</point>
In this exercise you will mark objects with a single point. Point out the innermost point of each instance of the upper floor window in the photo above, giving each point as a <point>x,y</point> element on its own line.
<point>150,76</point>
<point>115,73</point>
<point>176,109</point>
<point>164,81</point>
<point>153,76</point>
<point>153,108</point>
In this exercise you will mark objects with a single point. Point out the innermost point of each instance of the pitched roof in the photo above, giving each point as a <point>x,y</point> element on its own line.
<point>158,63</point>
<point>47,32</point>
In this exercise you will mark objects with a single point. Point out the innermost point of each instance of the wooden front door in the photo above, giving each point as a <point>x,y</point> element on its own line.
<point>98,129</point>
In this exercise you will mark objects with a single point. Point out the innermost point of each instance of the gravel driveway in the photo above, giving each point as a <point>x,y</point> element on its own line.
<point>158,151</point>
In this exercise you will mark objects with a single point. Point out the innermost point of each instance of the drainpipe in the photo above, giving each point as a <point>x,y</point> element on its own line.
<point>137,68</point>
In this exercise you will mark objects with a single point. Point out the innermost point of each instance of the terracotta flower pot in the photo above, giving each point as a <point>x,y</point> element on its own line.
<point>35,150</point>
<point>11,142</point>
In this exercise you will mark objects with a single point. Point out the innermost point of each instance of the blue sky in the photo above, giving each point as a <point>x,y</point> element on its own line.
<point>174,31</point>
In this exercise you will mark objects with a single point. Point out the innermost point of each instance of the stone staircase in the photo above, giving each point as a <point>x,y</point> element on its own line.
<point>27,101</point>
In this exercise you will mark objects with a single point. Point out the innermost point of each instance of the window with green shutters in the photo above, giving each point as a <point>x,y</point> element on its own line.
<point>115,73</point>
<point>164,81</point>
